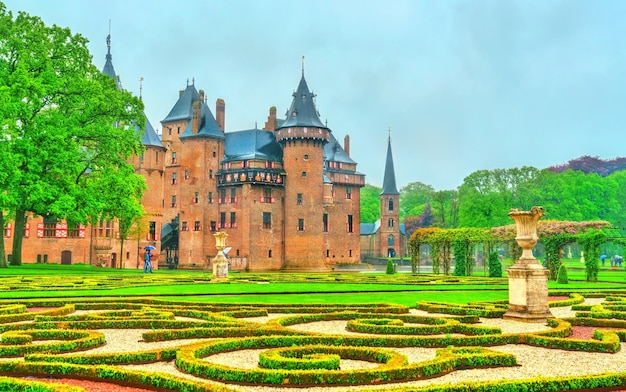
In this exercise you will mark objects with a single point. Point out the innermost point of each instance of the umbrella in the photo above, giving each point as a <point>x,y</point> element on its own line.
<point>149,247</point>
<point>227,250</point>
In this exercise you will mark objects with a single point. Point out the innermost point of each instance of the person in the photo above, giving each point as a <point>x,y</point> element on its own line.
<point>602,258</point>
<point>147,262</point>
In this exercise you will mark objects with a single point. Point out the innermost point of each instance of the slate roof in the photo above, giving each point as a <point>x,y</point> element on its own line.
<point>333,151</point>
<point>108,68</point>
<point>252,144</point>
<point>389,180</point>
<point>182,108</point>
<point>302,112</point>
<point>208,126</point>
<point>372,228</point>
<point>150,137</point>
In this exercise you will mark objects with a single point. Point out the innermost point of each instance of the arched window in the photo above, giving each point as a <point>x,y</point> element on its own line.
<point>390,204</point>
<point>390,240</point>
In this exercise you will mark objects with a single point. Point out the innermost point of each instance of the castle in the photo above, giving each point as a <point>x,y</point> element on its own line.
<point>287,195</point>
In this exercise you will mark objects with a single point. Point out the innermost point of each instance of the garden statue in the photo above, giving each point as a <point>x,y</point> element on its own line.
<point>220,262</point>
<point>528,279</point>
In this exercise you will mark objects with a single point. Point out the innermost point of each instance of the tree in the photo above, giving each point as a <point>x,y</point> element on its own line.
<point>487,196</point>
<point>413,199</point>
<point>66,125</point>
<point>445,209</point>
<point>370,203</point>
<point>122,193</point>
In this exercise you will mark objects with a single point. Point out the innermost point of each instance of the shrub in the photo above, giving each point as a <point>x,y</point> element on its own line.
<point>495,266</point>
<point>561,276</point>
<point>391,267</point>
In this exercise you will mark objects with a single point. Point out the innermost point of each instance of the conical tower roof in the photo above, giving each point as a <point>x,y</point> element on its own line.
<point>389,180</point>
<point>108,68</point>
<point>302,112</point>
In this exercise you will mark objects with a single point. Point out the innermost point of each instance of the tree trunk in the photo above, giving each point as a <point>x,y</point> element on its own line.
<point>3,255</point>
<point>20,223</point>
<point>121,251</point>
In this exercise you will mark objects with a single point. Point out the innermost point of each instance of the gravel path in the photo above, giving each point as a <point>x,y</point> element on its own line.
<point>533,361</point>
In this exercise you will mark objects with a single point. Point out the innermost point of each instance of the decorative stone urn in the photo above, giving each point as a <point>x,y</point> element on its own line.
<point>528,279</point>
<point>220,262</point>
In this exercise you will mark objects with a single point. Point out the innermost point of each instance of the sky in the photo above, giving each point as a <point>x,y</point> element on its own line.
<point>463,85</point>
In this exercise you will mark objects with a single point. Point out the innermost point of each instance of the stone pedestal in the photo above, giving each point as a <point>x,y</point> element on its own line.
<point>528,280</point>
<point>528,293</point>
<point>220,262</point>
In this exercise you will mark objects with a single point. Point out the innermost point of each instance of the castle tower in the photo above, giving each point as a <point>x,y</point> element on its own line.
<point>303,137</point>
<point>390,240</point>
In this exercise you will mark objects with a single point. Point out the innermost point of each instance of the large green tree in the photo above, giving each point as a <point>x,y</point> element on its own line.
<point>67,126</point>
<point>370,203</point>
<point>486,196</point>
<point>413,199</point>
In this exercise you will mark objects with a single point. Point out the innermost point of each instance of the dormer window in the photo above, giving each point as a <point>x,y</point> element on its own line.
<point>294,113</point>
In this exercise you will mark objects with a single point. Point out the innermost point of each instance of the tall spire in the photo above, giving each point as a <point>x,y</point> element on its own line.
<point>389,180</point>
<point>108,65</point>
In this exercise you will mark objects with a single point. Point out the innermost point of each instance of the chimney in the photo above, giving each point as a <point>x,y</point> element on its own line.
<point>220,113</point>
<point>270,124</point>
<point>195,119</point>
<point>201,96</point>
<point>180,93</point>
<point>346,144</point>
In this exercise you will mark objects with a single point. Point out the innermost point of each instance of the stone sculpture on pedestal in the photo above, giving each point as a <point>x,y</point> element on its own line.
<point>528,279</point>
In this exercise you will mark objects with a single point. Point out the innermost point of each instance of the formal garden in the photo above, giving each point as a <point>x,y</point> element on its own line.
<point>84,328</point>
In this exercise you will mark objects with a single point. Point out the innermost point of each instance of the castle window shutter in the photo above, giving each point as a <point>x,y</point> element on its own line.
<point>39,230</point>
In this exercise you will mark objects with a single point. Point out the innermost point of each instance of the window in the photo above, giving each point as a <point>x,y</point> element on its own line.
<point>306,157</point>
<point>173,157</point>
<point>210,197</point>
<point>391,222</point>
<point>350,225</point>
<point>303,174</point>
<point>325,223</point>
<point>156,157</point>
<point>233,219</point>
<point>222,219</point>
<point>350,252</point>
<point>196,197</point>
<point>390,240</point>
<point>233,195</point>
<point>184,226</point>
<point>222,198</point>
<point>211,173</point>
<point>174,178</point>
<point>299,201</point>
<point>196,226</point>
<point>300,224</point>
<point>269,253</point>
<point>267,220</point>
<point>267,196</point>
<point>390,204</point>
<point>327,252</point>
<point>213,226</point>
<point>173,201</point>
<point>178,130</point>
<point>152,231</point>
<point>245,164</point>
<point>169,131</point>
<point>214,155</point>
<point>73,232</point>
<point>186,174</point>
<point>50,228</point>
<point>348,192</point>
<point>141,157</point>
